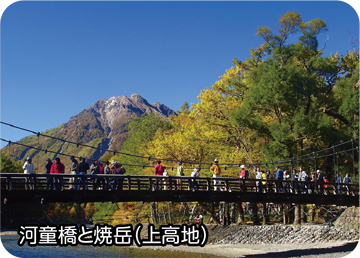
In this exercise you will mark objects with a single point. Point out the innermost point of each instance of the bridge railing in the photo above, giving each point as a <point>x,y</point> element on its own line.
<point>50,182</point>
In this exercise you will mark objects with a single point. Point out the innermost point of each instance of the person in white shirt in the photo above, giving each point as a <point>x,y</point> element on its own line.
<point>258,175</point>
<point>194,183</point>
<point>29,169</point>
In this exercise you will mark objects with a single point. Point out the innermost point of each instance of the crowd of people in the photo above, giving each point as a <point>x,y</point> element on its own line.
<point>79,170</point>
<point>284,181</point>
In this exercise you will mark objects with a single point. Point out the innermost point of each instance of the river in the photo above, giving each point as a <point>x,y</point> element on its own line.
<point>10,244</point>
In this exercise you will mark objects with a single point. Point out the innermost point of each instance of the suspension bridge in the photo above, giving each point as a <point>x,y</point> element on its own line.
<point>53,188</point>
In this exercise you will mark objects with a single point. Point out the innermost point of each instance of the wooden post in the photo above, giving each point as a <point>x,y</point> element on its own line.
<point>312,214</point>
<point>297,214</point>
<point>303,217</point>
<point>226,214</point>
<point>221,212</point>
<point>283,208</point>
<point>241,218</point>
<point>254,216</point>
<point>264,213</point>
<point>232,213</point>
<point>169,212</point>
<point>153,213</point>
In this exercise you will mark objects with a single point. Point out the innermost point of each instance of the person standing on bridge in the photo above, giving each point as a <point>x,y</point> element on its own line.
<point>83,168</point>
<point>179,172</point>
<point>49,181</point>
<point>338,181</point>
<point>58,168</point>
<point>348,180</point>
<point>95,170</point>
<point>107,171</point>
<point>279,176</point>
<point>159,171</point>
<point>216,170</point>
<point>242,178</point>
<point>74,170</point>
<point>286,184</point>
<point>194,182</point>
<point>258,176</point>
<point>326,185</point>
<point>29,169</point>
<point>119,179</point>
<point>269,176</point>
<point>295,179</point>
<point>263,175</point>
<point>320,179</point>
<point>303,177</point>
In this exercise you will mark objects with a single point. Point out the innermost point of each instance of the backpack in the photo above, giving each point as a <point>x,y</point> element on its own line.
<point>122,171</point>
<point>117,170</point>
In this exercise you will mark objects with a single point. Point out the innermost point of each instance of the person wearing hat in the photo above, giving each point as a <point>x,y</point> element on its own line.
<point>320,179</point>
<point>74,170</point>
<point>216,170</point>
<point>48,178</point>
<point>29,169</point>
<point>179,172</point>
<point>194,183</point>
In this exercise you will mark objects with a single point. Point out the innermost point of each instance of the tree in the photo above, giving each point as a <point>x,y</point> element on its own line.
<point>141,131</point>
<point>293,99</point>
<point>9,165</point>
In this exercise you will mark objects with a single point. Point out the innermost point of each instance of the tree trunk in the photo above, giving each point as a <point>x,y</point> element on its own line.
<point>312,213</point>
<point>303,216</point>
<point>284,210</point>
<point>254,216</point>
<point>241,219</point>
<point>264,213</point>
<point>169,212</point>
<point>153,212</point>
<point>232,213</point>
<point>211,210</point>
<point>226,214</point>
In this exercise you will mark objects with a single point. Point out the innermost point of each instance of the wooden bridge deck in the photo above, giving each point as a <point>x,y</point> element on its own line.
<point>158,189</point>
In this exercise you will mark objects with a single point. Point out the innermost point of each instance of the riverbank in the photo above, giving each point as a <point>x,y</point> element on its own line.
<point>315,250</point>
<point>275,241</point>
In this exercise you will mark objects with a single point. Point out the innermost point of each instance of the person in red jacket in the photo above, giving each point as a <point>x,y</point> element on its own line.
<point>159,171</point>
<point>58,168</point>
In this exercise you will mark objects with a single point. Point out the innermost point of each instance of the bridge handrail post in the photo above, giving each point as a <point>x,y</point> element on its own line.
<point>170,183</point>
<point>227,185</point>
<point>8,183</point>
<point>34,179</point>
<point>151,184</point>
<point>208,182</point>
<point>129,182</point>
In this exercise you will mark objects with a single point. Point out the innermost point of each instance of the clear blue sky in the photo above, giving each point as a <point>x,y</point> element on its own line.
<point>58,58</point>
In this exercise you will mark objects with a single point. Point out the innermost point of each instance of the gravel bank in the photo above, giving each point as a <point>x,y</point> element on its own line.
<point>279,234</point>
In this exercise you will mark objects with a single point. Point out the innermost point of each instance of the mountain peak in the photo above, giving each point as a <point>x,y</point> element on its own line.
<point>138,98</point>
<point>102,125</point>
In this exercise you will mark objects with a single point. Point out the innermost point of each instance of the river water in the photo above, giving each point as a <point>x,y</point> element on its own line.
<point>10,244</point>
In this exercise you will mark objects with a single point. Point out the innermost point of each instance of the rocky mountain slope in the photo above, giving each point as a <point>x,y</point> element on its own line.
<point>103,125</point>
